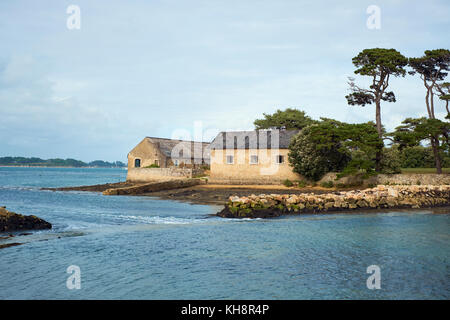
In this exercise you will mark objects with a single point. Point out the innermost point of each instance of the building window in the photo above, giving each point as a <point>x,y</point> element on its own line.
<point>137,163</point>
<point>253,159</point>
<point>280,159</point>
<point>176,163</point>
<point>230,159</point>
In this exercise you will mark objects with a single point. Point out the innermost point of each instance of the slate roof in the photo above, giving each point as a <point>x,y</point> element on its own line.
<point>257,139</point>
<point>197,148</point>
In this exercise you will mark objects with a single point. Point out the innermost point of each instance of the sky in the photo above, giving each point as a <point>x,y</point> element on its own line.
<point>190,69</point>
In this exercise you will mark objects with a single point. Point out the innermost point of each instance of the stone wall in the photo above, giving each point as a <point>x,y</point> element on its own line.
<point>404,179</point>
<point>380,197</point>
<point>152,174</point>
<point>248,181</point>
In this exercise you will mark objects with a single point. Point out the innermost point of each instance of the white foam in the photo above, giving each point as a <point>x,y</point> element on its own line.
<point>158,219</point>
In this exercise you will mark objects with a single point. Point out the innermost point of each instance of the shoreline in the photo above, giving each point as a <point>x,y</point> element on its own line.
<point>12,221</point>
<point>380,197</point>
<point>69,167</point>
<point>205,194</point>
<point>222,195</point>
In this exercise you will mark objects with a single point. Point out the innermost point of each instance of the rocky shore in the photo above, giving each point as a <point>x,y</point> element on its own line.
<point>274,205</point>
<point>10,221</point>
<point>197,194</point>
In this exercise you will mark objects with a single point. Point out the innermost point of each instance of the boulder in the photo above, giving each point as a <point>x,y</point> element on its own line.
<point>10,221</point>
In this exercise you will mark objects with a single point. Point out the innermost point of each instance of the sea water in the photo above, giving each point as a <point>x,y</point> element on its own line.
<point>129,247</point>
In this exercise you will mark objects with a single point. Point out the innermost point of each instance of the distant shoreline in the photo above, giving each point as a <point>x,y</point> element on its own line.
<point>25,166</point>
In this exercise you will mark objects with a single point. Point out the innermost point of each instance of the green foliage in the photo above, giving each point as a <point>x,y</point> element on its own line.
<point>424,170</point>
<point>362,142</point>
<point>301,184</point>
<point>335,146</point>
<point>287,119</point>
<point>432,66</point>
<point>153,165</point>
<point>106,164</point>
<point>417,157</point>
<point>379,61</point>
<point>444,94</point>
<point>288,183</point>
<point>317,149</point>
<point>379,64</point>
<point>413,131</point>
<point>327,184</point>
<point>33,161</point>
<point>391,161</point>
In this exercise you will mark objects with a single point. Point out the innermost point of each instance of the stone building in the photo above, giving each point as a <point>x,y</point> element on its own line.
<point>252,157</point>
<point>166,153</point>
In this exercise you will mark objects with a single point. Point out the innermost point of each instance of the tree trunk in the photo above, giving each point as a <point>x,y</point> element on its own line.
<point>427,100</point>
<point>437,157</point>
<point>432,103</point>
<point>380,133</point>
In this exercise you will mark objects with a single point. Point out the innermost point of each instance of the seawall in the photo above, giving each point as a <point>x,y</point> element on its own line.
<point>274,205</point>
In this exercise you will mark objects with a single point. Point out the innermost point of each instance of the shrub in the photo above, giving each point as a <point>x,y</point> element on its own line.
<point>301,184</point>
<point>391,162</point>
<point>327,184</point>
<point>152,166</point>
<point>316,150</point>
<point>288,183</point>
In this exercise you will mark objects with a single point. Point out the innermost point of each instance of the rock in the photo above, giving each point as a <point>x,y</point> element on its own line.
<point>378,197</point>
<point>2,246</point>
<point>10,221</point>
<point>328,205</point>
<point>235,199</point>
<point>291,200</point>
<point>392,192</point>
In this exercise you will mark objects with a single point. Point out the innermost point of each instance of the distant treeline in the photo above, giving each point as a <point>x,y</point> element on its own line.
<point>22,161</point>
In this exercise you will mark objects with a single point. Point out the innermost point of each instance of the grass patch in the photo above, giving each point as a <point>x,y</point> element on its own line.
<point>424,170</point>
<point>152,166</point>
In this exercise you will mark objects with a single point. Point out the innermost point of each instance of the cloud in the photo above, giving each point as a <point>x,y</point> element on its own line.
<point>152,68</point>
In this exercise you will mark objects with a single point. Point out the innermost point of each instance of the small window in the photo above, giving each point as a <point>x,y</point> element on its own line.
<point>230,159</point>
<point>137,163</point>
<point>280,159</point>
<point>253,159</point>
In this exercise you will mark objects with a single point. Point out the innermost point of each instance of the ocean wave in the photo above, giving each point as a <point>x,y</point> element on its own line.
<point>20,188</point>
<point>158,219</point>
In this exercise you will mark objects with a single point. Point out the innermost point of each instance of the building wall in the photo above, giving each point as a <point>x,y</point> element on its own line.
<point>147,152</point>
<point>241,171</point>
<point>153,174</point>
